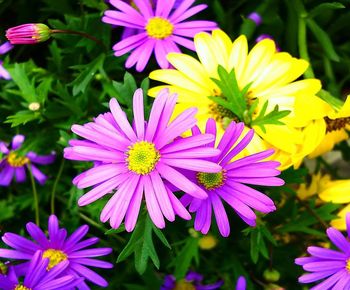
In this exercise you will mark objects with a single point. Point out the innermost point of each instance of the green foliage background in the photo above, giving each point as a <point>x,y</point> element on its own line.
<point>73,79</point>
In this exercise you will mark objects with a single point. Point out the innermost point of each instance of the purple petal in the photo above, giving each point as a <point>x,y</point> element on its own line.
<point>6,175</point>
<point>5,47</point>
<point>134,207</point>
<point>338,240</point>
<point>38,175</point>
<point>20,174</point>
<point>220,215</point>
<point>139,114</point>
<point>17,142</point>
<point>41,159</point>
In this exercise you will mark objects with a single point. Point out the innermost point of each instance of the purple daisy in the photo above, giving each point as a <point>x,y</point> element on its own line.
<point>14,163</point>
<point>37,277</point>
<point>331,266</point>
<point>58,248</point>
<point>4,48</point>
<point>141,159</point>
<point>192,280</point>
<point>229,183</point>
<point>159,29</point>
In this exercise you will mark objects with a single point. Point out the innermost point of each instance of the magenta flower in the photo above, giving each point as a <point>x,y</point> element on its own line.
<point>141,159</point>
<point>160,29</point>
<point>13,163</point>
<point>36,276</point>
<point>59,248</point>
<point>5,48</point>
<point>331,266</point>
<point>30,33</point>
<point>229,183</point>
<point>255,17</point>
<point>193,280</point>
<point>241,283</point>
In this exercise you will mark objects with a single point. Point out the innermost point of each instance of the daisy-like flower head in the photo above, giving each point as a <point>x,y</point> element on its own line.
<point>59,248</point>
<point>331,266</point>
<point>328,190</point>
<point>337,124</point>
<point>141,159</point>
<point>192,281</point>
<point>36,276</point>
<point>14,163</point>
<point>159,29</point>
<point>5,48</point>
<point>269,75</point>
<point>229,183</point>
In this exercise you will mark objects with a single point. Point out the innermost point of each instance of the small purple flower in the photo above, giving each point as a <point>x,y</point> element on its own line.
<point>30,33</point>
<point>331,266</point>
<point>4,48</point>
<point>36,276</point>
<point>192,280</point>
<point>13,163</point>
<point>254,16</point>
<point>229,183</point>
<point>241,283</point>
<point>159,29</point>
<point>59,248</point>
<point>143,159</point>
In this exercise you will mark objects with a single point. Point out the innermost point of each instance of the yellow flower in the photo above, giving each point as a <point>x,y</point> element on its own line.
<point>271,76</point>
<point>335,191</point>
<point>336,125</point>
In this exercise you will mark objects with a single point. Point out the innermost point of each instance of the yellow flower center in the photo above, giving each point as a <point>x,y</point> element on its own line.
<point>142,157</point>
<point>348,265</point>
<point>221,115</point>
<point>21,287</point>
<point>184,285</point>
<point>336,124</point>
<point>211,180</point>
<point>16,161</point>
<point>159,28</point>
<point>207,242</point>
<point>55,256</point>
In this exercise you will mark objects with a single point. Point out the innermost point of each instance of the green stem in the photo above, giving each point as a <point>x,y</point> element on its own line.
<point>302,38</point>
<point>83,34</point>
<point>313,213</point>
<point>35,196</point>
<point>53,192</point>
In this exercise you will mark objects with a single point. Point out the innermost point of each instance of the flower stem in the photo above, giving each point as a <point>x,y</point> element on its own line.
<point>35,196</point>
<point>53,192</point>
<point>313,213</point>
<point>83,34</point>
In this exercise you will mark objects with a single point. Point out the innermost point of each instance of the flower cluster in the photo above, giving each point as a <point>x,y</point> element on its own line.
<point>62,256</point>
<point>151,159</point>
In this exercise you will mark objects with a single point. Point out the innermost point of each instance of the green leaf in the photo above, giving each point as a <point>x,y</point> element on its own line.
<point>233,98</point>
<point>88,71</point>
<point>271,118</point>
<point>27,87</point>
<point>323,7</point>
<point>184,258</point>
<point>333,101</point>
<point>22,117</point>
<point>141,245</point>
<point>115,231</point>
<point>323,39</point>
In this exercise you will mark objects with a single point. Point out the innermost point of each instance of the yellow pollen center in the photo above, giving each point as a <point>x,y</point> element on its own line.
<point>21,287</point>
<point>159,28</point>
<point>221,115</point>
<point>55,256</point>
<point>16,161</point>
<point>142,157</point>
<point>184,285</point>
<point>211,180</point>
<point>348,265</point>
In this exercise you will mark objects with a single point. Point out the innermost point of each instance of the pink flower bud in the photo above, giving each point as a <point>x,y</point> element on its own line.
<point>30,33</point>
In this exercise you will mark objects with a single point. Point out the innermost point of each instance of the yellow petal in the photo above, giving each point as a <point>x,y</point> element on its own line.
<point>238,56</point>
<point>336,191</point>
<point>340,223</point>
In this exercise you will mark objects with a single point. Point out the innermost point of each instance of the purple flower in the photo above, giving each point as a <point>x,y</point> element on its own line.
<point>29,33</point>
<point>254,16</point>
<point>59,248</point>
<point>14,163</point>
<point>141,159</point>
<point>331,266</point>
<point>159,29</point>
<point>241,283</point>
<point>5,48</point>
<point>192,281</point>
<point>228,184</point>
<point>36,276</point>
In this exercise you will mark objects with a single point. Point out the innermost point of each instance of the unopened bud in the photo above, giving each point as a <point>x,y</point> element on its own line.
<point>193,233</point>
<point>30,33</point>
<point>34,106</point>
<point>207,242</point>
<point>271,275</point>
<point>254,16</point>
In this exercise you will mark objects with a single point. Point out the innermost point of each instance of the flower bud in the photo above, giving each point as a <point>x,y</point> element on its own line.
<point>34,106</point>
<point>255,17</point>
<point>30,33</point>
<point>271,275</point>
<point>207,242</point>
